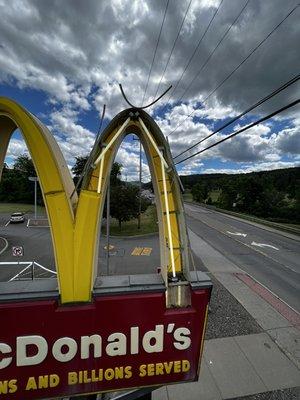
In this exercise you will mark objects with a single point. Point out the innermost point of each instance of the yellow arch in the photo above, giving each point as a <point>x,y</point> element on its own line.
<point>75,222</point>
<point>146,129</point>
<point>68,217</point>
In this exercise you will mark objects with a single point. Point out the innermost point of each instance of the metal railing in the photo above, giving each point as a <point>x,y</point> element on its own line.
<point>29,269</point>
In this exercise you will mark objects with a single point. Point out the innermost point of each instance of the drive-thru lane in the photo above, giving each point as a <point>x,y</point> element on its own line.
<point>267,255</point>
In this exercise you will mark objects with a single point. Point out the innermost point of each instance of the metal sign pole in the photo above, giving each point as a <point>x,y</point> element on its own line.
<point>35,198</point>
<point>107,226</point>
<point>35,180</point>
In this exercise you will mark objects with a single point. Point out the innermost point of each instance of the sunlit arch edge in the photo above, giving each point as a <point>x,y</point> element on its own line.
<point>180,241</point>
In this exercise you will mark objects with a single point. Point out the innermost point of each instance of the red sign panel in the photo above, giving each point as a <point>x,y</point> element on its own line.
<point>117,342</point>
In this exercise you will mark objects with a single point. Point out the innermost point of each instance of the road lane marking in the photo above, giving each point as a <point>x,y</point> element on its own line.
<point>141,251</point>
<point>243,243</point>
<point>5,245</point>
<point>110,247</point>
<point>137,251</point>
<point>237,234</point>
<point>146,251</point>
<point>264,245</point>
<point>7,223</point>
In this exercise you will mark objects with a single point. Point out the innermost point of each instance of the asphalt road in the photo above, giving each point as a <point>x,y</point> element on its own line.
<point>269,256</point>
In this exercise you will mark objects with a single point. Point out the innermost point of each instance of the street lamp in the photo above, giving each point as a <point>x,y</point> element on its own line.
<point>34,179</point>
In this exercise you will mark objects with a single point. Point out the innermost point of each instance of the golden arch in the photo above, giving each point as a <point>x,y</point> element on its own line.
<point>75,221</point>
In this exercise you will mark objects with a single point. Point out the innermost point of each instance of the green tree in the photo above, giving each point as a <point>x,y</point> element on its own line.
<point>200,192</point>
<point>24,166</point>
<point>79,165</point>
<point>228,196</point>
<point>15,186</point>
<point>124,203</point>
<point>115,174</point>
<point>80,162</point>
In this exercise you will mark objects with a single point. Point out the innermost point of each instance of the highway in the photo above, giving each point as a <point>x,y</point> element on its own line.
<point>269,256</point>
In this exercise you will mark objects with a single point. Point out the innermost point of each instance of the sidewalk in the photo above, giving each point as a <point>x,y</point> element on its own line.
<point>238,366</point>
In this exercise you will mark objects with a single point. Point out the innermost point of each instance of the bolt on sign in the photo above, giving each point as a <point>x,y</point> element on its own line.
<point>93,335</point>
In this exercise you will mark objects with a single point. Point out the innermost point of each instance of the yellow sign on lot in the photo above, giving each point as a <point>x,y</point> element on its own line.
<point>141,251</point>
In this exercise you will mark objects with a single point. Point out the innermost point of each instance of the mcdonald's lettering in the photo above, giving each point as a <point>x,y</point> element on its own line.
<point>90,335</point>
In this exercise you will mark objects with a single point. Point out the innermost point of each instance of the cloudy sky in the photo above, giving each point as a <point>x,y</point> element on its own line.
<point>64,60</point>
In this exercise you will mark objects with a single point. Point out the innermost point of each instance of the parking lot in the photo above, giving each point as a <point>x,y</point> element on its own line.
<point>131,255</point>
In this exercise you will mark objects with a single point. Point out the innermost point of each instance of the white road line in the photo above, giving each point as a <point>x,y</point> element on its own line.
<point>247,245</point>
<point>237,234</point>
<point>264,245</point>
<point>7,223</point>
<point>5,246</point>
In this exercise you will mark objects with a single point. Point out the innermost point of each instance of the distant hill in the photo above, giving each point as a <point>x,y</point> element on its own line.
<point>282,180</point>
<point>273,195</point>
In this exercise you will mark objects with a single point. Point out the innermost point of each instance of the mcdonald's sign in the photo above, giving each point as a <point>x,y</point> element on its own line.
<point>95,334</point>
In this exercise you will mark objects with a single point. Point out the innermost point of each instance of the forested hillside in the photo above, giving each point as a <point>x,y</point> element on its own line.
<point>274,195</point>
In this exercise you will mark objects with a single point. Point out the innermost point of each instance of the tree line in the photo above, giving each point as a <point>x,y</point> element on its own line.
<point>124,197</point>
<point>274,195</point>
<point>15,187</point>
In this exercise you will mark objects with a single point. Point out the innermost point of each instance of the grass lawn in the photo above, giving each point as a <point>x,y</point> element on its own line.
<point>129,228</point>
<point>9,208</point>
<point>214,195</point>
<point>187,196</point>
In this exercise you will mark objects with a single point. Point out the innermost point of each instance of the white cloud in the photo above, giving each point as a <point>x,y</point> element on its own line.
<point>77,53</point>
<point>16,148</point>
<point>266,166</point>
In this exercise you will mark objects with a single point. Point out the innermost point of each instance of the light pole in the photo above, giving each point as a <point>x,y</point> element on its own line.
<point>140,185</point>
<point>34,179</point>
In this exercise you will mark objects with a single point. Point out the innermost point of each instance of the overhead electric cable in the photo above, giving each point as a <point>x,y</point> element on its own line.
<point>173,47</point>
<point>155,51</point>
<point>238,66</point>
<point>149,105</point>
<point>294,103</point>
<point>196,48</point>
<point>261,101</point>
<point>212,53</point>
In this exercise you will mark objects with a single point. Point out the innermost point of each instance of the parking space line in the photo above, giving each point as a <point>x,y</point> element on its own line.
<point>7,223</point>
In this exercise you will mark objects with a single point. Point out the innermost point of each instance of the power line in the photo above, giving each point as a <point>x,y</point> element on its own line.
<point>238,66</point>
<point>294,103</point>
<point>196,48</point>
<point>212,53</point>
<point>173,47</point>
<point>261,101</point>
<point>154,55</point>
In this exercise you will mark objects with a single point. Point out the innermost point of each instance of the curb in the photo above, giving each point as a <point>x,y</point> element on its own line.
<point>5,246</point>
<point>133,236</point>
<point>270,312</point>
